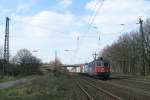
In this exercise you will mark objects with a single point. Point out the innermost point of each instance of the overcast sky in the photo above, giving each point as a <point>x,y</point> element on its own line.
<point>54,25</point>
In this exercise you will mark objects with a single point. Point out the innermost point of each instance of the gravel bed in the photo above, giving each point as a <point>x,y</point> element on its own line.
<point>96,94</point>
<point>145,87</point>
<point>78,93</point>
<point>119,90</point>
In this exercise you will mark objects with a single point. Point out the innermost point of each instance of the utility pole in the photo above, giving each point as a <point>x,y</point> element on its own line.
<point>55,57</point>
<point>78,40</point>
<point>99,37</point>
<point>142,46</point>
<point>6,47</point>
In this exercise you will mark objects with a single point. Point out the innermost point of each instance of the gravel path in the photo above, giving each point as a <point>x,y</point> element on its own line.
<point>9,84</point>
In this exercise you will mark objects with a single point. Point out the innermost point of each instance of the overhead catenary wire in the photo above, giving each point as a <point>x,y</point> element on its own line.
<point>39,27</point>
<point>91,17</point>
<point>96,12</point>
<point>45,28</point>
<point>97,7</point>
<point>48,29</point>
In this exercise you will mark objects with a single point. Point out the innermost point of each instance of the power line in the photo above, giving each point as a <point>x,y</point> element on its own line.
<point>93,16</point>
<point>38,26</point>
<point>93,13</point>
<point>97,11</point>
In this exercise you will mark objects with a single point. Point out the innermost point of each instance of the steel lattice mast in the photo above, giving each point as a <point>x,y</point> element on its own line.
<point>6,45</point>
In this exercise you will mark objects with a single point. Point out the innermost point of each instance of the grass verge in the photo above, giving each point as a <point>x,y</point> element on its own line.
<point>47,87</point>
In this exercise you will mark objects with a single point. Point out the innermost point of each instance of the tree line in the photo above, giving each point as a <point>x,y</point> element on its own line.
<point>130,54</point>
<point>23,63</point>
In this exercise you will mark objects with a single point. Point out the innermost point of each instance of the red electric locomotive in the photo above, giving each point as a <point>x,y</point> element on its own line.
<point>99,68</point>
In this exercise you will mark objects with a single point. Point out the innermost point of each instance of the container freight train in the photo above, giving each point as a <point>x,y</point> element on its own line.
<point>97,68</point>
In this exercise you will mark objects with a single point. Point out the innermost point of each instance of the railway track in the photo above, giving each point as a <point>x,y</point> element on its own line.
<point>132,84</point>
<point>105,91</point>
<point>89,97</point>
<point>99,92</point>
<point>131,78</point>
<point>125,92</point>
<point>138,81</point>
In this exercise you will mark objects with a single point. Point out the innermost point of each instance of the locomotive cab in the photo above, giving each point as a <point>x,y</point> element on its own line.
<point>102,68</point>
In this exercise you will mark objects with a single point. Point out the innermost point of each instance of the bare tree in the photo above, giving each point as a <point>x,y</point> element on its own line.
<point>57,66</point>
<point>28,63</point>
<point>126,54</point>
<point>147,44</point>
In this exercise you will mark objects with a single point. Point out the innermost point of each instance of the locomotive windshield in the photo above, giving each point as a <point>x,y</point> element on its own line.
<point>106,64</point>
<point>102,64</point>
<point>99,63</point>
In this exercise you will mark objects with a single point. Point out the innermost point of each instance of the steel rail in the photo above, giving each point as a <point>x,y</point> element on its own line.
<point>104,91</point>
<point>137,81</point>
<point>84,91</point>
